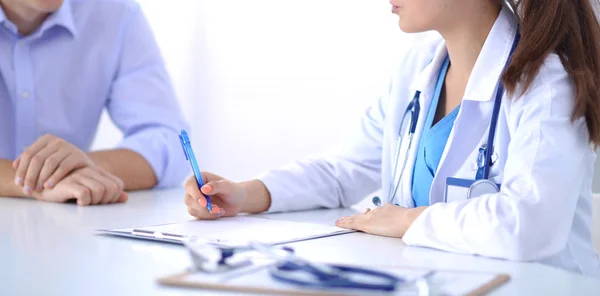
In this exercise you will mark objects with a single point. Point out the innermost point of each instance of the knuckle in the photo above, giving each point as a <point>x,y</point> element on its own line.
<point>26,156</point>
<point>78,161</point>
<point>83,192</point>
<point>190,182</point>
<point>29,179</point>
<point>69,163</point>
<point>188,200</point>
<point>58,141</point>
<point>60,171</point>
<point>37,160</point>
<point>114,188</point>
<point>52,161</point>
<point>97,189</point>
<point>120,184</point>
<point>192,212</point>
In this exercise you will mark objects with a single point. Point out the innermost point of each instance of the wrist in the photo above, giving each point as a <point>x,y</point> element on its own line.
<point>255,197</point>
<point>414,213</point>
<point>8,187</point>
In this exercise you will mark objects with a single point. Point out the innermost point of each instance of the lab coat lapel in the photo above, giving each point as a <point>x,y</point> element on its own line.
<point>473,121</point>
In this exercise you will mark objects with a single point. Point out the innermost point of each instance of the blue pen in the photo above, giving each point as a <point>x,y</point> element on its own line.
<point>189,155</point>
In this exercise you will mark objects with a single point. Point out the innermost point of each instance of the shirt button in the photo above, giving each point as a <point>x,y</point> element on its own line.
<point>25,94</point>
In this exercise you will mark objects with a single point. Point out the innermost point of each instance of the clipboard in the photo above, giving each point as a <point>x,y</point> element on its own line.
<point>226,232</point>
<point>258,281</point>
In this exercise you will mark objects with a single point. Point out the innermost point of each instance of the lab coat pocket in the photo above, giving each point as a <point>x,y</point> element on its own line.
<point>458,189</point>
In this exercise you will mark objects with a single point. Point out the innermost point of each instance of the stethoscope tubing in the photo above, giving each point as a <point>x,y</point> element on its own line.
<point>323,281</point>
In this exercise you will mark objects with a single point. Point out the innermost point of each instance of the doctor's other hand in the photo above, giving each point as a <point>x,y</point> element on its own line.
<point>88,186</point>
<point>226,197</point>
<point>388,220</point>
<point>46,162</point>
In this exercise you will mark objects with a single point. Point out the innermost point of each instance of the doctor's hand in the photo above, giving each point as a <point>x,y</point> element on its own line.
<point>46,162</point>
<point>388,220</point>
<point>226,197</point>
<point>87,186</point>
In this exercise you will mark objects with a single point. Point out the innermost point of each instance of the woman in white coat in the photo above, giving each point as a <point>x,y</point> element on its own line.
<point>531,78</point>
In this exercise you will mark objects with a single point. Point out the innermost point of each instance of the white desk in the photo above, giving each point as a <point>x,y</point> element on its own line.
<point>50,249</point>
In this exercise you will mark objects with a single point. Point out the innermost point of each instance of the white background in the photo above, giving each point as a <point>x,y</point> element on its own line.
<point>264,82</point>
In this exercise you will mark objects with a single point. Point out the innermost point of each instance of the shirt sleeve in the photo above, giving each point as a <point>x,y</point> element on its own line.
<point>142,103</point>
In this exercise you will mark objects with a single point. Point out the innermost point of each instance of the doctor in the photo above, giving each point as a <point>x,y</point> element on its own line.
<point>483,143</point>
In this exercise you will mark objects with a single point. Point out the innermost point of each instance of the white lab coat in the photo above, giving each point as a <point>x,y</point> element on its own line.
<point>544,162</point>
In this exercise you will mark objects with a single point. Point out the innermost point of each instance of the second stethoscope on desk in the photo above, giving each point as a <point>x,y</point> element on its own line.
<point>288,268</point>
<point>482,185</point>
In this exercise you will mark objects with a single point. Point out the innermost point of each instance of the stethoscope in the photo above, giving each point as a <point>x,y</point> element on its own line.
<point>288,268</point>
<point>482,184</point>
<point>295,270</point>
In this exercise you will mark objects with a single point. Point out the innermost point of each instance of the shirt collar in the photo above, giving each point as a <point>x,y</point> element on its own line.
<point>2,15</point>
<point>63,17</point>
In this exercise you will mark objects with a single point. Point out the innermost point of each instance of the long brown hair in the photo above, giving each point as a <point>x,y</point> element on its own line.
<point>570,29</point>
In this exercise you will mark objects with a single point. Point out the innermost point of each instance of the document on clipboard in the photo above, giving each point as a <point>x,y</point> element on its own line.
<point>233,231</point>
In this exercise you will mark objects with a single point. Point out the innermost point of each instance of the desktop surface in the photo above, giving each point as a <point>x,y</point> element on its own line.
<point>52,249</point>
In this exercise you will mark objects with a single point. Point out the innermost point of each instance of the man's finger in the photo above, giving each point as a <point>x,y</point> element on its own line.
<point>121,195</point>
<point>65,167</point>
<point>50,166</point>
<point>111,189</point>
<point>81,193</point>
<point>25,159</point>
<point>96,189</point>
<point>117,180</point>
<point>37,163</point>
<point>15,163</point>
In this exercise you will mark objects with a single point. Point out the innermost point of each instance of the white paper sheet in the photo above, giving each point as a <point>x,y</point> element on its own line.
<point>240,230</point>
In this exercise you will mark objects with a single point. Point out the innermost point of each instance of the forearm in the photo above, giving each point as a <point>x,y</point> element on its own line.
<point>8,187</point>
<point>133,169</point>
<point>258,198</point>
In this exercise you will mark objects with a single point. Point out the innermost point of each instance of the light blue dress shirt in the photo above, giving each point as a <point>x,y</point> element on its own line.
<point>87,56</point>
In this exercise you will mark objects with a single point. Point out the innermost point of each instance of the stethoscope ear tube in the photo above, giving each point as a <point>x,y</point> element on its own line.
<point>412,110</point>
<point>415,113</point>
<point>300,275</point>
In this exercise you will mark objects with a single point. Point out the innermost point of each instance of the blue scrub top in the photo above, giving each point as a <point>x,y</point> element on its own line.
<point>432,144</point>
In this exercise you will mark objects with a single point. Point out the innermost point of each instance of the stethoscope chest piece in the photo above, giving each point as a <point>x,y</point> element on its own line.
<point>481,187</point>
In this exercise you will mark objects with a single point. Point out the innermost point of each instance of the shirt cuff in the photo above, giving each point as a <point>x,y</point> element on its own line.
<point>167,162</point>
<point>418,231</point>
<point>277,192</point>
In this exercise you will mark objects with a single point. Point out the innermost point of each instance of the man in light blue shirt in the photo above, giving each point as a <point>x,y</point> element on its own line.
<point>61,64</point>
